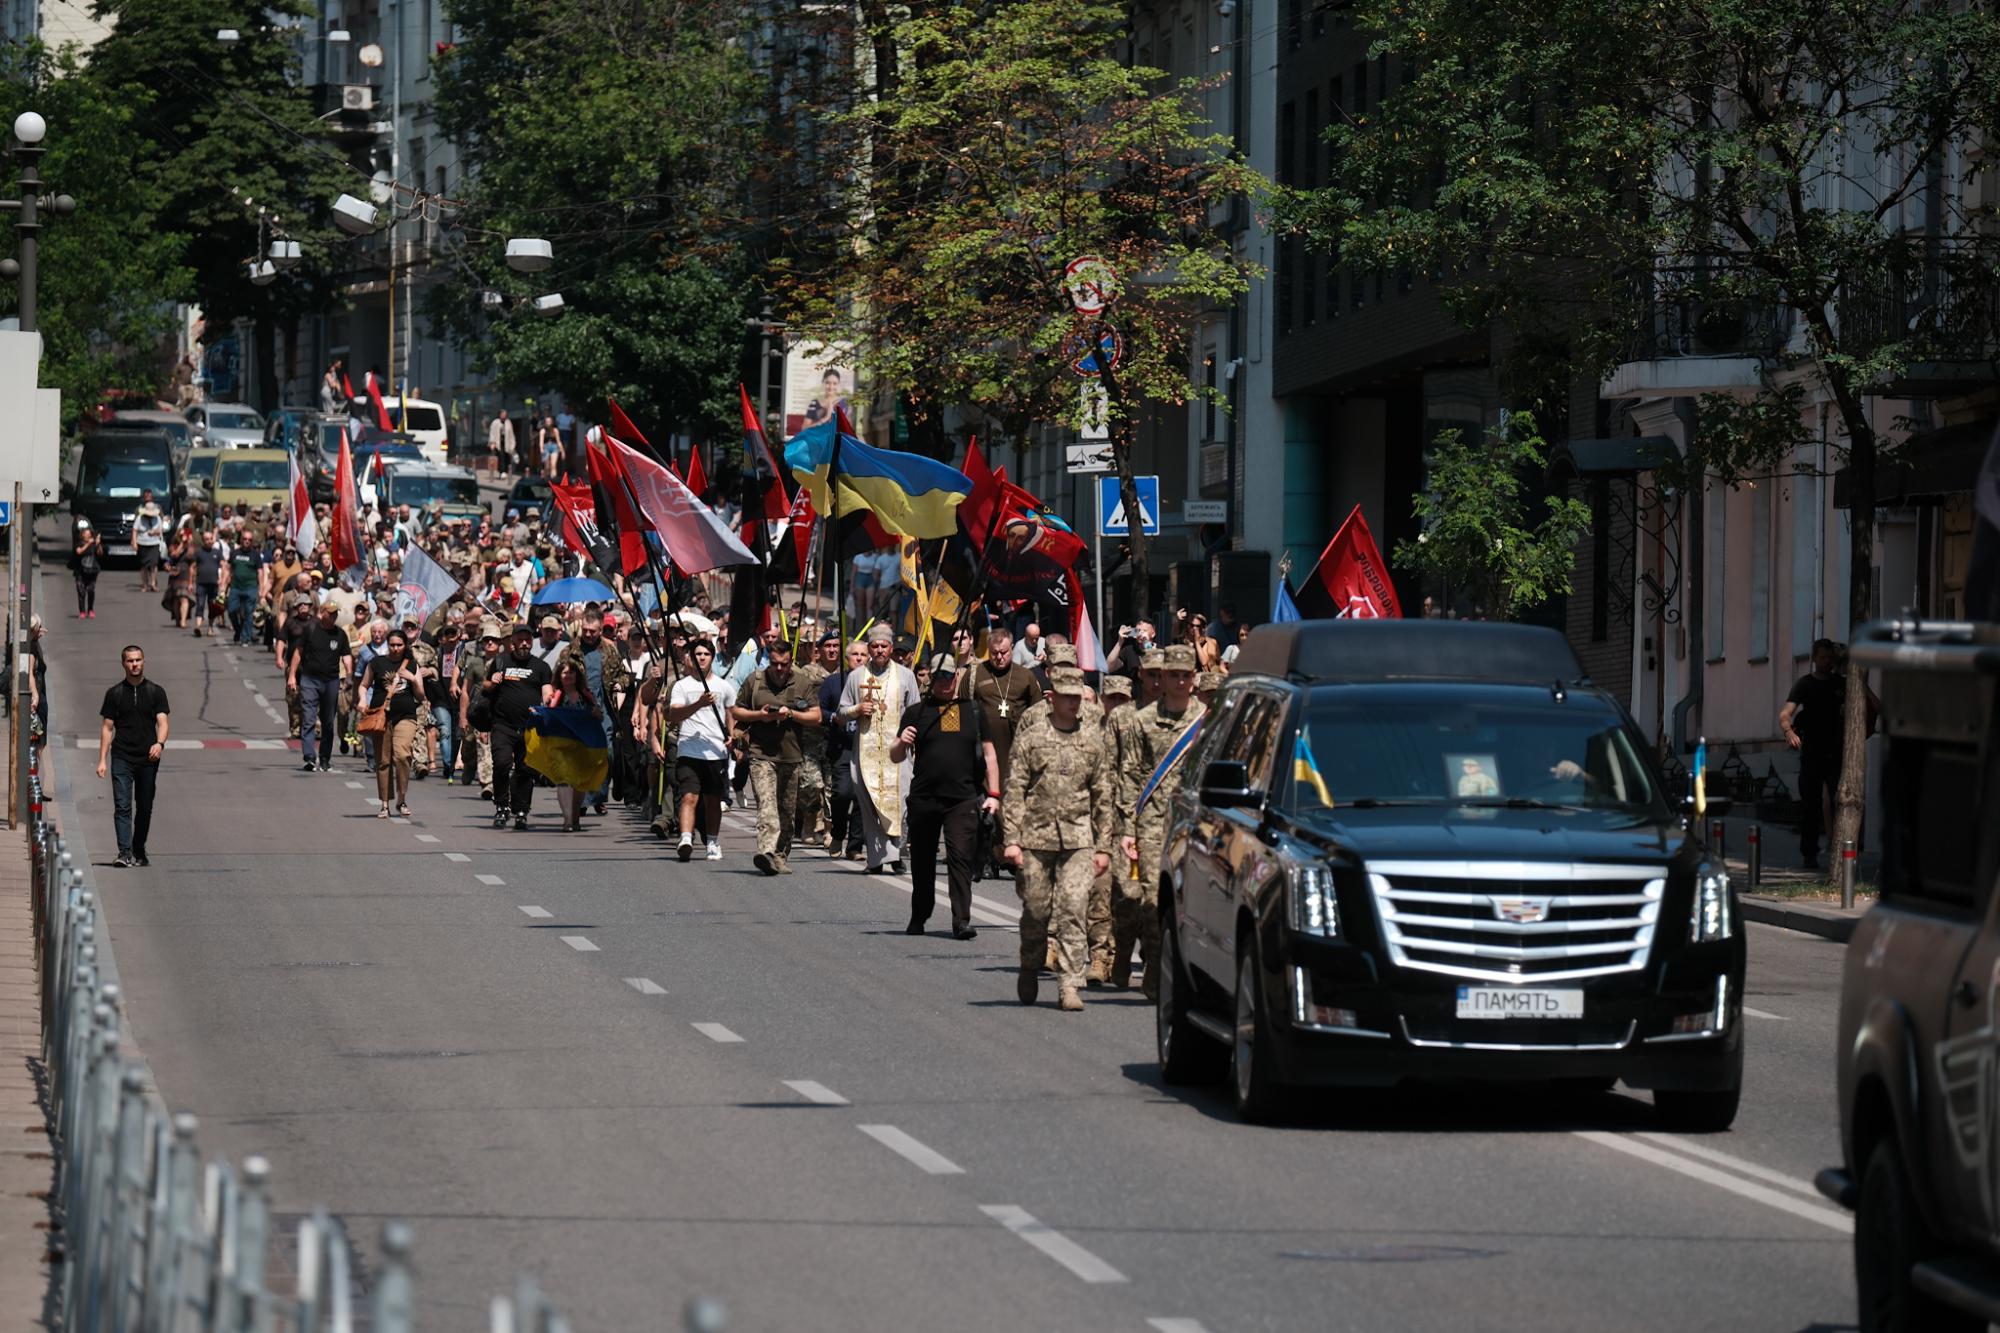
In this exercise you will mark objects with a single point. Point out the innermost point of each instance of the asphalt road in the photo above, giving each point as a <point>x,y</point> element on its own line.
<point>643,1080</point>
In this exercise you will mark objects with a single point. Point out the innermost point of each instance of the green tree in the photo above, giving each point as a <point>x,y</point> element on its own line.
<point>1568,166</point>
<point>232,152</point>
<point>1476,539</point>
<point>109,273</point>
<point>1003,142</point>
<point>619,131</point>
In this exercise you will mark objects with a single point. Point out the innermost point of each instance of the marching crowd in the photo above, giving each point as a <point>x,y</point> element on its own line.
<point>996,757</point>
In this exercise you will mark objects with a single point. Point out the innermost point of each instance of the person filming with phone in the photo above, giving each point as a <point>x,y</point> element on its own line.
<point>774,707</point>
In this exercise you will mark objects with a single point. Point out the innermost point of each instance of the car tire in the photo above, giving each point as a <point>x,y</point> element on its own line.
<point>1890,1239</point>
<point>1698,1110</point>
<point>1187,1055</point>
<point>1258,1095</point>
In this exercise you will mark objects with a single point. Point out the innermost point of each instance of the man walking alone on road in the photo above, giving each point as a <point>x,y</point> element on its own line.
<point>129,747</point>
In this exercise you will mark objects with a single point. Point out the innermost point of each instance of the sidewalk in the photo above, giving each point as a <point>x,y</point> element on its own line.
<point>26,1165</point>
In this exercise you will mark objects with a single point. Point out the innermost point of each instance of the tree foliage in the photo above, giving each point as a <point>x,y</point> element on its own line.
<point>619,131</point>
<point>1752,176</point>
<point>1005,141</point>
<point>1476,537</point>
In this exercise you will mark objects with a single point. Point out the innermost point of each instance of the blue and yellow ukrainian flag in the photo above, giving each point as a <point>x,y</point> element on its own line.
<point>1305,769</point>
<point>908,493</point>
<point>566,746</point>
<point>1701,777</point>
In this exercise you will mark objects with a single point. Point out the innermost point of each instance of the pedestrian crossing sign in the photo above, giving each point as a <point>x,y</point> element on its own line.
<point>1111,517</point>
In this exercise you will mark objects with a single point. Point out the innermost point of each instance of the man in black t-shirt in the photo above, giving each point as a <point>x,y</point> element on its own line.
<point>321,659</point>
<point>207,581</point>
<point>1813,721</point>
<point>129,747</point>
<point>514,688</point>
<point>956,774</point>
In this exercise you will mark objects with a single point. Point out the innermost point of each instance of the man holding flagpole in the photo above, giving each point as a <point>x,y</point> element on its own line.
<point>877,694</point>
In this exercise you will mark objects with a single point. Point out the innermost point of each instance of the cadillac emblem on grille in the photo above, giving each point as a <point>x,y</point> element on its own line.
<point>1522,911</point>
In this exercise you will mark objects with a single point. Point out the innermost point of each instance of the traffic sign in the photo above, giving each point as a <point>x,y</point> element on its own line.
<point>6,513</point>
<point>1087,360</point>
<point>1112,521</point>
<point>1205,511</point>
<point>1091,282</point>
<point>1085,458</point>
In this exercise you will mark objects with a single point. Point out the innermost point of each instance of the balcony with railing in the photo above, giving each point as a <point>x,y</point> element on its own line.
<point>1699,328</point>
<point>1942,312</point>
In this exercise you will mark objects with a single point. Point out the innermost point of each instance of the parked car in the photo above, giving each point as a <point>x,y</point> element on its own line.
<point>233,425</point>
<point>419,418</point>
<point>198,475</point>
<point>173,423</point>
<point>1419,849</point>
<point>115,467</point>
<point>530,492</point>
<point>256,477</point>
<point>1919,1043</point>
<point>455,490</point>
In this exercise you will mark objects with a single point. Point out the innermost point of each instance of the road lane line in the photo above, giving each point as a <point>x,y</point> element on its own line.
<point>1737,1164</point>
<point>1762,1013</point>
<point>715,1032</point>
<point>429,837</point>
<point>1052,1243</point>
<point>538,913</point>
<point>249,684</point>
<point>459,857</point>
<point>1176,1325</point>
<point>491,881</point>
<point>987,912</point>
<point>257,697</point>
<point>580,943</point>
<point>357,785</point>
<point>925,1158</point>
<point>817,1093</point>
<point>1784,1203</point>
<point>644,985</point>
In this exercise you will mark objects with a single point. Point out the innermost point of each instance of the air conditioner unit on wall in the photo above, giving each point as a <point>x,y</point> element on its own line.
<point>357,97</point>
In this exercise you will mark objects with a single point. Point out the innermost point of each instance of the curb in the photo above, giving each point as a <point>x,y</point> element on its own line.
<point>1806,920</point>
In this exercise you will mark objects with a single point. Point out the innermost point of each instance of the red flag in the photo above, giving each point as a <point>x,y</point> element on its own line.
<point>695,538</point>
<point>696,479</point>
<point>623,428</point>
<point>375,397</point>
<point>1350,581</point>
<point>346,386</point>
<point>802,522</point>
<point>777,503</point>
<point>579,519</point>
<point>303,524</point>
<point>1055,540</point>
<point>605,473</point>
<point>343,541</point>
<point>976,513</point>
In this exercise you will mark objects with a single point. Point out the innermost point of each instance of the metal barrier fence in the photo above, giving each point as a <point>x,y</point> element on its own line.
<point>148,1236</point>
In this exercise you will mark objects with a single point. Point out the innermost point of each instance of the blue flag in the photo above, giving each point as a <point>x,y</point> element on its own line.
<point>1283,608</point>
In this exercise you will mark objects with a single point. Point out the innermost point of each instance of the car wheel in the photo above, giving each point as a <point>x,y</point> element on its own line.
<point>1186,1055</point>
<point>1698,1111</point>
<point>1258,1094</point>
<point>1890,1239</point>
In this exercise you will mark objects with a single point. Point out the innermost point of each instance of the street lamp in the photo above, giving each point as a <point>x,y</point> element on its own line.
<point>527,254</point>
<point>284,253</point>
<point>354,216</point>
<point>552,304</point>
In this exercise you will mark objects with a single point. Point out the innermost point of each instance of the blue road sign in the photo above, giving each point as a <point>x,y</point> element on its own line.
<point>1111,517</point>
<point>6,513</point>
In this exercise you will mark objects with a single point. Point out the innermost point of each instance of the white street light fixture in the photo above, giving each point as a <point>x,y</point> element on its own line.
<point>353,216</point>
<point>491,299</point>
<point>371,55</point>
<point>552,304</point>
<point>338,35</point>
<point>382,186</point>
<point>227,35</point>
<point>262,272</point>
<point>529,254</point>
<point>284,253</point>
<point>30,127</point>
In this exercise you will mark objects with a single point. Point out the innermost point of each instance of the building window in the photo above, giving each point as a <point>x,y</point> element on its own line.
<point>1758,643</point>
<point>1309,163</point>
<point>1714,554</point>
<point>1288,143</point>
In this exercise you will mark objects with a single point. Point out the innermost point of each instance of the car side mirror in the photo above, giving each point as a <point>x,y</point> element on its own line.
<point>1225,785</point>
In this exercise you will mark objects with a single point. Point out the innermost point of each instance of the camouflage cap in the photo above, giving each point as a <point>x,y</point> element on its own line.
<point>1117,685</point>
<point>492,629</point>
<point>1208,680</point>
<point>549,622</point>
<point>1152,660</point>
<point>424,653</point>
<point>1178,657</point>
<point>1067,680</point>
<point>1060,654</point>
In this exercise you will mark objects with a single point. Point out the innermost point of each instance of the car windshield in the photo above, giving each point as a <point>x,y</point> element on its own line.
<point>122,476</point>
<point>421,418</point>
<point>330,435</point>
<point>421,490</point>
<point>1353,750</point>
<point>235,421</point>
<point>201,466</point>
<point>254,474</point>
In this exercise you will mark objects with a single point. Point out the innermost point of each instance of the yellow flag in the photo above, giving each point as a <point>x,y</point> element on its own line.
<point>912,578</point>
<point>923,618</point>
<point>945,604</point>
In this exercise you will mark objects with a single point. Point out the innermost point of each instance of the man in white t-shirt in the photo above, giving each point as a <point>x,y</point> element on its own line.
<point>700,702</point>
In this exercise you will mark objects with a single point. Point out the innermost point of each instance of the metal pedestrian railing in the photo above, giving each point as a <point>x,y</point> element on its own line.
<point>148,1237</point>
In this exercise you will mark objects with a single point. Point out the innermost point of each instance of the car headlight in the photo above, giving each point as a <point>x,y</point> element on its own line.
<point>1714,917</point>
<point>1309,885</point>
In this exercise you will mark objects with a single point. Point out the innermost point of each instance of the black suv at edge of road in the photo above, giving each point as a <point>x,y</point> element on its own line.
<point>1431,849</point>
<point>1919,1044</point>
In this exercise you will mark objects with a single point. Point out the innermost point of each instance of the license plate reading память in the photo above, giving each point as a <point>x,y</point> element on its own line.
<point>1512,1002</point>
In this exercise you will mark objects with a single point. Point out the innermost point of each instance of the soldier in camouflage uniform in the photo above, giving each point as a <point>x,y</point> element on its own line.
<point>1116,695</point>
<point>1123,726</point>
<point>1036,714</point>
<point>1058,819</point>
<point>1151,734</point>
<point>812,812</point>
<point>1206,684</point>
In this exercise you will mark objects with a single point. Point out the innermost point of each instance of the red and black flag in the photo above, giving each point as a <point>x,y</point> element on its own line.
<point>1350,582</point>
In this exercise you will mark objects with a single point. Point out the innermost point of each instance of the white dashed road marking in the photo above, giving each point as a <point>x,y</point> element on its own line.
<point>428,837</point>
<point>715,1032</point>
<point>1052,1243</point>
<point>459,857</point>
<point>818,1093</point>
<point>357,785</point>
<point>1784,1203</point>
<point>1736,1164</point>
<point>491,881</point>
<point>922,1156</point>
<point>644,985</point>
<point>1176,1325</point>
<point>538,913</point>
<point>580,943</point>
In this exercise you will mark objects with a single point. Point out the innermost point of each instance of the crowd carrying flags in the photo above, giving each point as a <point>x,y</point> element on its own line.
<point>303,525</point>
<point>909,494</point>
<point>566,746</point>
<point>1350,582</point>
